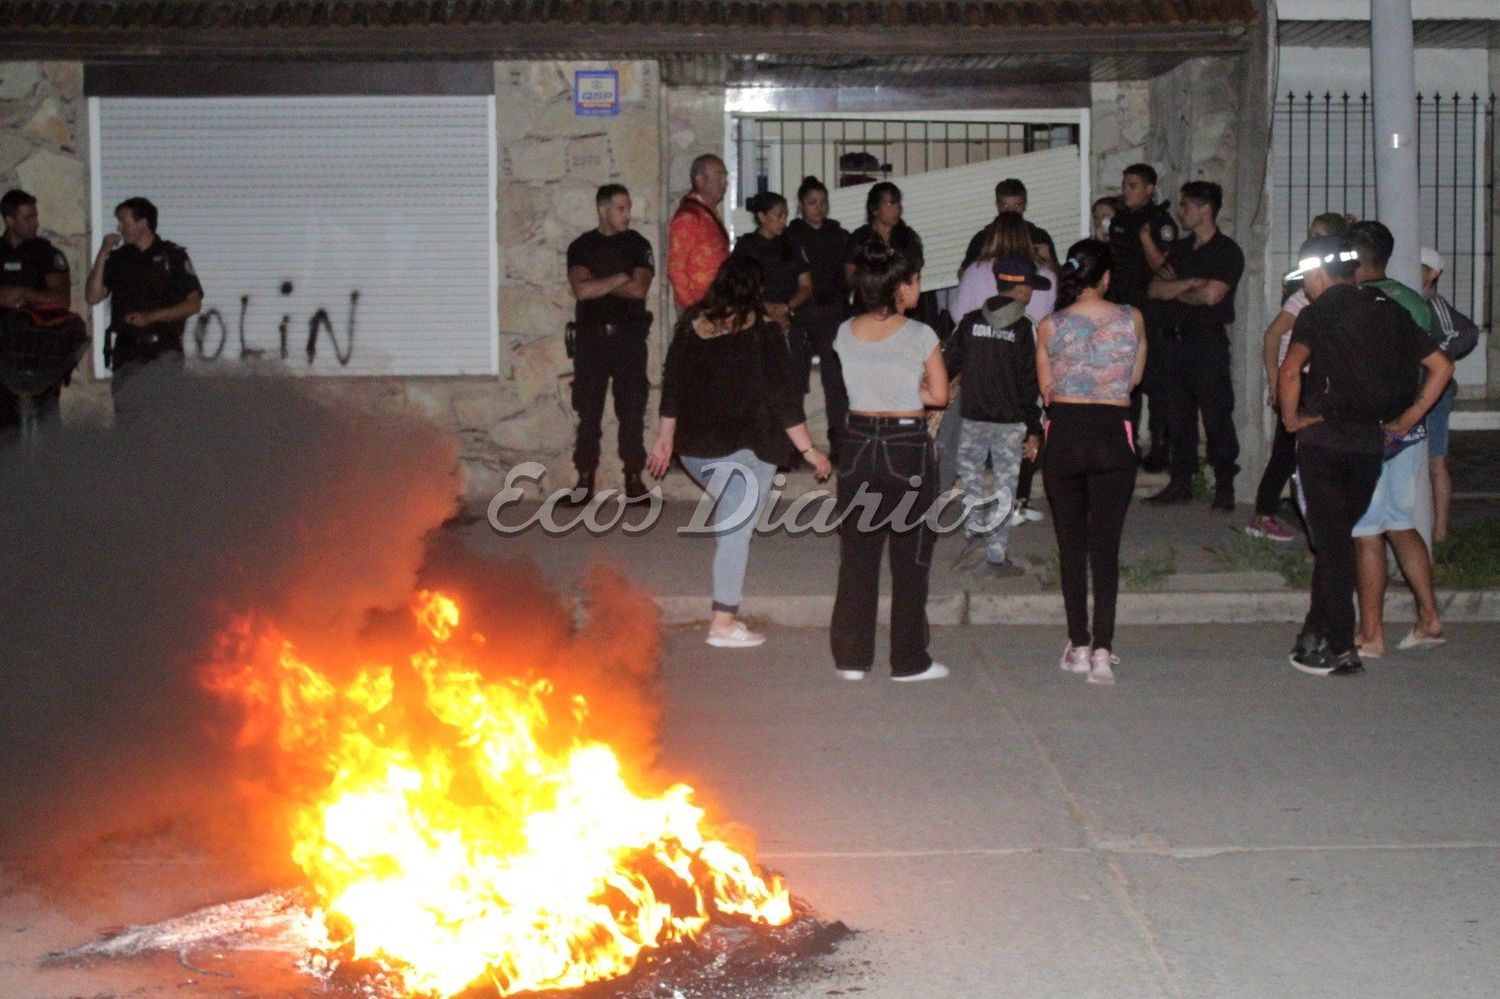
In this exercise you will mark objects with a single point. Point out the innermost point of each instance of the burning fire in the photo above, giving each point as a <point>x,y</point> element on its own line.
<point>459,829</point>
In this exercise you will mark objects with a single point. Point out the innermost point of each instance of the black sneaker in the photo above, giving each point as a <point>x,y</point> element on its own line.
<point>1177,491</point>
<point>1307,642</point>
<point>1323,662</point>
<point>1347,664</point>
<point>1223,499</point>
<point>635,489</point>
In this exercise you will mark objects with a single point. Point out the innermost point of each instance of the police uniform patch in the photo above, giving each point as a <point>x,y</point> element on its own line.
<point>650,257</point>
<point>60,262</point>
<point>1166,234</point>
<point>187,265</point>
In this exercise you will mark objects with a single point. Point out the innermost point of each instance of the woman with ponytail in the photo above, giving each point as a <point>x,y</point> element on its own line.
<point>1089,355</point>
<point>893,369</point>
<point>788,281</point>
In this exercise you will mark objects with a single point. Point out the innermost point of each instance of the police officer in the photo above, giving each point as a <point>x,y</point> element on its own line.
<point>1139,234</point>
<point>32,272</point>
<point>610,270</point>
<point>152,290</point>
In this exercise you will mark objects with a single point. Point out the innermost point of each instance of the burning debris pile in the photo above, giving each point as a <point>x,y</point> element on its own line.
<point>463,797</point>
<point>456,826</point>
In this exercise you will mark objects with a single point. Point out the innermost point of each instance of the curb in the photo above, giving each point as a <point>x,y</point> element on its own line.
<point>1138,608</point>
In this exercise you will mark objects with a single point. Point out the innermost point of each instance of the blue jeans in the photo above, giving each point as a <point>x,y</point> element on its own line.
<point>733,482</point>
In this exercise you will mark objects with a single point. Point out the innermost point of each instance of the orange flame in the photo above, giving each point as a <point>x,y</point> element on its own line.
<point>461,831</point>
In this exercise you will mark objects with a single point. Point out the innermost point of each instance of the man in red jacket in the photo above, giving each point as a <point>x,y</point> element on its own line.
<point>697,242</point>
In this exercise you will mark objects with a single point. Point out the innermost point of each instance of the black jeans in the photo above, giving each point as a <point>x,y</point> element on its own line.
<point>812,336</point>
<point>1336,489</point>
<point>1198,377</point>
<point>598,359</point>
<point>1090,476</point>
<point>879,460</point>
<point>1279,468</point>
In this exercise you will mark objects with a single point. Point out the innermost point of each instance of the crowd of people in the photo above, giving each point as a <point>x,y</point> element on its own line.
<point>1087,365</point>
<point>1034,360</point>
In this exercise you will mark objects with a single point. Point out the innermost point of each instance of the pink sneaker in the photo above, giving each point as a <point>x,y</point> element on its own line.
<point>1268,527</point>
<point>1101,666</point>
<point>1075,659</point>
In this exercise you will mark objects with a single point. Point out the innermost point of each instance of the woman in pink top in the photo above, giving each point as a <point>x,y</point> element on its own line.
<point>1089,355</point>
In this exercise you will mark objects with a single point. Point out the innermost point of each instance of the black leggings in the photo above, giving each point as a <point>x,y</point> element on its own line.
<point>1090,476</point>
<point>1279,468</point>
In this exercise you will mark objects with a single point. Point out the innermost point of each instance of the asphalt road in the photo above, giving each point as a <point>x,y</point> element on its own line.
<point>1216,824</point>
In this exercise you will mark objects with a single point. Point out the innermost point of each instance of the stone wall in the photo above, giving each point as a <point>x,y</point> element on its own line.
<point>550,163</point>
<point>44,137</point>
<point>1119,125</point>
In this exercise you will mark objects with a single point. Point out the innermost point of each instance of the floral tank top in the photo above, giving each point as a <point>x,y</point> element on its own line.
<point>1093,358</point>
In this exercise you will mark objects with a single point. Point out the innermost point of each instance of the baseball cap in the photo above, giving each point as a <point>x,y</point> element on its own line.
<point>1321,250</point>
<point>1013,271</point>
<point>1431,258</point>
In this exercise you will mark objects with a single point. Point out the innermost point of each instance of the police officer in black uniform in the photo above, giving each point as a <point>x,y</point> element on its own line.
<point>152,290</point>
<point>32,272</point>
<point>1139,235</point>
<point>610,270</point>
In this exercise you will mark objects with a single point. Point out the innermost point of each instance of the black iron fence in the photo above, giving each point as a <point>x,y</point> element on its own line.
<point>1324,161</point>
<point>775,153</point>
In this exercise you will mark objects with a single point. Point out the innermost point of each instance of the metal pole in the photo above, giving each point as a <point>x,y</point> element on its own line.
<point>1394,86</point>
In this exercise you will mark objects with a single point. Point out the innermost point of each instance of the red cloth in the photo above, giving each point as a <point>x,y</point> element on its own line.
<point>697,244</point>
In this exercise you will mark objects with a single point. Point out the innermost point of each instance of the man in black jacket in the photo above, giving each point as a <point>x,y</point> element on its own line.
<point>994,349</point>
<point>1010,196</point>
<point>1360,357</point>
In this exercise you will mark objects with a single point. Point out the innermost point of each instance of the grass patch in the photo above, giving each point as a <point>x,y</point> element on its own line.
<point>1470,558</point>
<point>1148,574</point>
<point>1243,553</point>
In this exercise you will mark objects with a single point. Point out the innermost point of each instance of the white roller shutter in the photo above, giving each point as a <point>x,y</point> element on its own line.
<point>947,207</point>
<point>300,202</point>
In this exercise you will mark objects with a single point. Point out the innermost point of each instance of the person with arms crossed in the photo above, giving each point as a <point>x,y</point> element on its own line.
<point>610,270</point>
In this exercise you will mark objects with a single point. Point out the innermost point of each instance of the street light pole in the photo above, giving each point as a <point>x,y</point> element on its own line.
<point>1393,85</point>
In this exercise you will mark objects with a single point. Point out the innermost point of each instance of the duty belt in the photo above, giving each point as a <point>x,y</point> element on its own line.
<point>610,329</point>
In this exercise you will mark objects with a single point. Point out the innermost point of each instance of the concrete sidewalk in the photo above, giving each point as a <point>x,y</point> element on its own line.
<point>1180,565</point>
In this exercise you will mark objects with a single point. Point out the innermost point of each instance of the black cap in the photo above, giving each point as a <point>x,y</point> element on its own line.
<point>1011,272</point>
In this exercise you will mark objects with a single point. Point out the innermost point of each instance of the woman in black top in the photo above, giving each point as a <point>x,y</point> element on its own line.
<point>883,210</point>
<point>731,412</point>
<point>825,244</point>
<point>788,283</point>
<point>883,222</point>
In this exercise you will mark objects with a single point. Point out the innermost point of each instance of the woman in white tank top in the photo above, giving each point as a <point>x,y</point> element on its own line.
<point>893,370</point>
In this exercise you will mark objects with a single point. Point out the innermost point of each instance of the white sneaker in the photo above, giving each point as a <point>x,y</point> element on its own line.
<point>935,671</point>
<point>1017,517</point>
<point>736,636</point>
<point>1032,514</point>
<point>852,674</point>
<point>1101,663</point>
<point>1075,659</point>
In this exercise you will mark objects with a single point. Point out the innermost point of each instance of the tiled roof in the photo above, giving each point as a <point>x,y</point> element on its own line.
<point>207,15</point>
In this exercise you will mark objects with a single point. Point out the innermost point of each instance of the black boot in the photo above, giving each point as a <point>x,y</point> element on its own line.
<point>1224,496</point>
<point>1155,460</point>
<point>1177,492</point>
<point>635,489</point>
<point>584,491</point>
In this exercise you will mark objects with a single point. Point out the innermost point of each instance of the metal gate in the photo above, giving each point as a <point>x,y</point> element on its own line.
<point>1324,161</point>
<point>775,152</point>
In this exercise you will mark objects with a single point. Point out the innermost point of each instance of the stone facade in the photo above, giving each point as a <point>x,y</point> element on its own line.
<point>1119,125</point>
<point>550,163</point>
<point>44,136</point>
